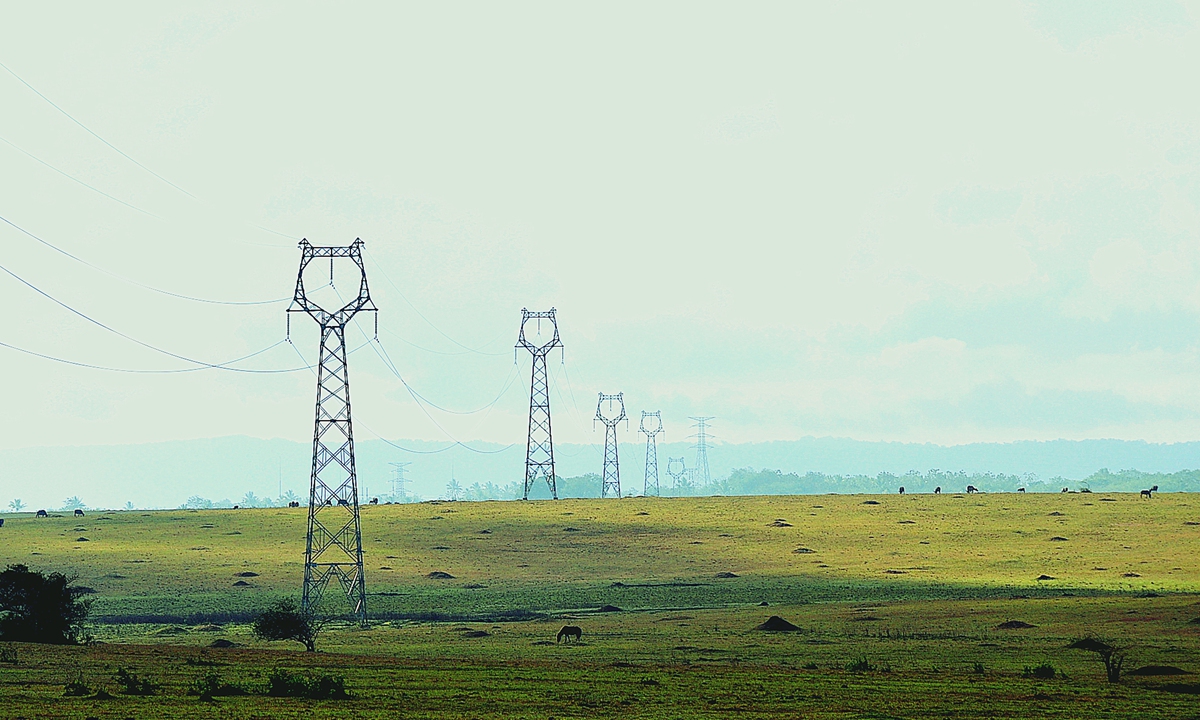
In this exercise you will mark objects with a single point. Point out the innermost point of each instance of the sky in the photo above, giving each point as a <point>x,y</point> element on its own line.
<point>921,222</point>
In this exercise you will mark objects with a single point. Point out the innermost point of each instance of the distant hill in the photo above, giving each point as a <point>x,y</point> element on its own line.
<point>166,474</point>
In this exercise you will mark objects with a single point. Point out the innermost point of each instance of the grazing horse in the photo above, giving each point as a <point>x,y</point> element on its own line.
<point>1020,490</point>
<point>1066,489</point>
<point>901,489</point>
<point>937,490</point>
<point>1146,493</point>
<point>570,632</point>
<point>40,513</point>
<point>1,522</point>
<point>972,489</point>
<point>78,512</point>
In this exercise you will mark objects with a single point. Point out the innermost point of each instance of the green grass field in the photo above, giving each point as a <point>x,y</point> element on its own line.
<point>917,586</point>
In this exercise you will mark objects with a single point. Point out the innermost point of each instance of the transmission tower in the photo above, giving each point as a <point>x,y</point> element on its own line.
<point>677,469</point>
<point>701,470</point>
<point>334,546</point>
<point>398,480</point>
<point>612,468</point>
<point>651,487</point>
<point>539,447</point>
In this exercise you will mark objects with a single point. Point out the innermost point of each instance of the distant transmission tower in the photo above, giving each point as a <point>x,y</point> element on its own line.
<point>539,447</point>
<point>702,476</point>
<point>612,467</point>
<point>398,480</point>
<point>651,487</point>
<point>334,545</point>
<point>677,469</point>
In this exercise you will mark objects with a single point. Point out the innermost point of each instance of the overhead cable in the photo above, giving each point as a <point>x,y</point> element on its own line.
<point>122,278</point>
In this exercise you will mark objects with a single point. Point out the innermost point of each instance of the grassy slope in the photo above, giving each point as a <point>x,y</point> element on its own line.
<point>928,626</point>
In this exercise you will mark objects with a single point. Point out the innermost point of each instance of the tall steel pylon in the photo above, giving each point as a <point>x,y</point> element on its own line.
<point>334,545</point>
<point>701,470</point>
<point>677,469</point>
<point>651,487</point>
<point>399,469</point>
<point>612,467</point>
<point>539,445</point>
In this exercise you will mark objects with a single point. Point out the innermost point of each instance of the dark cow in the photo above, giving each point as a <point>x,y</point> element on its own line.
<point>570,632</point>
<point>972,489</point>
<point>937,490</point>
<point>1020,490</point>
<point>1,522</point>
<point>1084,490</point>
<point>901,489</point>
<point>78,512</point>
<point>40,513</point>
<point>1066,489</point>
<point>374,501</point>
<point>1154,488</point>
<point>1147,493</point>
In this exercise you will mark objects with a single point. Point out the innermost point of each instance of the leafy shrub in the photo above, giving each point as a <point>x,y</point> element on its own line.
<point>809,666</point>
<point>285,621</point>
<point>77,687</point>
<point>211,685</point>
<point>977,668</point>
<point>133,685</point>
<point>282,683</point>
<point>1045,671</point>
<point>40,608</point>
<point>8,655</point>
<point>860,665</point>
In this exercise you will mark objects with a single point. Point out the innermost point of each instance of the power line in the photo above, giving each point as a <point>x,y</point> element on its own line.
<point>155,348</point>
<point>90,366</point>
<point>144,286</point>
<point>75,179</point>
<point>91,132</point>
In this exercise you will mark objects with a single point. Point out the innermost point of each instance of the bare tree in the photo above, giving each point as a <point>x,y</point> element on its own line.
<point>1113,657</point>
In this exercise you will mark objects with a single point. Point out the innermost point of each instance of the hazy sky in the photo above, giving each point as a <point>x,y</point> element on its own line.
<point>910,221</point>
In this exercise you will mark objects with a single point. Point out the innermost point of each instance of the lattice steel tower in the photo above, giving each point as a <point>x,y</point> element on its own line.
<point>612,467</point>
<point>334,546</point>
<point>702,436</point>
<point>651,487</point>
<point>539,446</point>
<point>677,475</point>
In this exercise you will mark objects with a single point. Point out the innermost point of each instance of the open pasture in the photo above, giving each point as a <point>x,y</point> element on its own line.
<point>916,586</point>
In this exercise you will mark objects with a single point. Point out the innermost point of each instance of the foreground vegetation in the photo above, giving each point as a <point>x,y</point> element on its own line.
<point>913,606</point>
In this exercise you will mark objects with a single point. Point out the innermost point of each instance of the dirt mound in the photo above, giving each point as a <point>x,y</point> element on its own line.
<point>894,572</point>
<point>246,574</point>
<point>1155,670</point>
<point>241,583</point>
<point>780,523</point>
<point>726,575</point>
<point>804,551</point>
<point>865,618</point>
<point>1058,538</point>
<point>776,624</point>
<point>570,529</point>
<point>222,643</point>
<point>208,628</point>
<point>1045,577</point>
<point>1057,514</point>
<point>870,502</point>
<point>82,539</point>
<point>1131,575</point>
<point>439,575</point>
<point>1091,645</point>
<point>1014,625</point>
<point>1194,621</point>
<point>1189,522</point>
<point>609,608</point>
<point>476,634</point>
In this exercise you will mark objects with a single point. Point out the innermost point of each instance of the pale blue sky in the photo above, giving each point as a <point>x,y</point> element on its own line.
<point>935,222</point>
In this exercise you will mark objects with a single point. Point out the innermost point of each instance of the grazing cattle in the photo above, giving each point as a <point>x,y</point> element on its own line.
<point>343,501</point>
<point>1154,488</point>
<point>1066,489</point>
<point>1084,490</point>
<point>1020,490</point>
<point>937,490</point>
<point>374,501</point>
<point>570,632</point>
<point>40,513</point>
<point>972,489</point>
<point>78,512</point>
<point>1,522</point>
<point>901,489</point>
<point>235,507</point>
<point>1146,493</point>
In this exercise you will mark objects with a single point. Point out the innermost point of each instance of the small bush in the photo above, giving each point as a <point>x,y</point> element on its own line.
<point>285,621</point>
<point>860,665</point>
<point>211,685</point>
<point>809,666</point>
<point>282,683</point>
<point>133,685</point>
<point>8,655</point>
<point>39,608</point>
<point>977,668</point>
<point>1045,671</point>
<point>77,687</point>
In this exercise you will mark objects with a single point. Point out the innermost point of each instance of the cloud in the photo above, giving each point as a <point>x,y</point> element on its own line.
<point>1073,23</point>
